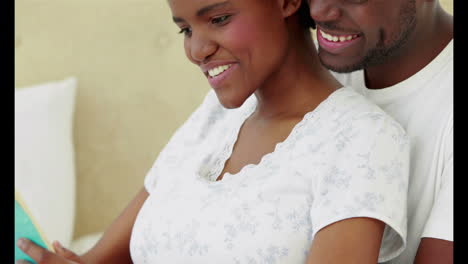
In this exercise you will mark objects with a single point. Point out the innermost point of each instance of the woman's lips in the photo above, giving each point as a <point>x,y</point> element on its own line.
<point>336,43</point>
<point>224,71</point>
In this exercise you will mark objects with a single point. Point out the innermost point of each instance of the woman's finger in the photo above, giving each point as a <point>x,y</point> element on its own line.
<point>22,261</point>
<point>39,254</point>
<point>66,253</point>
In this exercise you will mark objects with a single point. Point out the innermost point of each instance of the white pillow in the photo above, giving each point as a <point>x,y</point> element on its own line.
<point>44,155</point>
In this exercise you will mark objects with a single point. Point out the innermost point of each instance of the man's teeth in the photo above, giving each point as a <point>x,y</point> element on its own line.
<point>337,38</point>
<point>216,71</point>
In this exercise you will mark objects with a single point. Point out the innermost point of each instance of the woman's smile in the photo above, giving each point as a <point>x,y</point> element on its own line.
<point>233,44</point>
<point>218,72</point>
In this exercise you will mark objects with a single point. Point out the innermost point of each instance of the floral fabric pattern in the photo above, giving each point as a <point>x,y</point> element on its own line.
<point>345,159</point>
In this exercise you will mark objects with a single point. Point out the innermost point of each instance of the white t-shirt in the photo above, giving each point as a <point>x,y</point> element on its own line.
<point>423,104</point>
<point>346,158</point>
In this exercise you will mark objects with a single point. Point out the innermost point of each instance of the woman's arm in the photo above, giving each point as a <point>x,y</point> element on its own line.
<point>353,240</point>
<point>113,247</point>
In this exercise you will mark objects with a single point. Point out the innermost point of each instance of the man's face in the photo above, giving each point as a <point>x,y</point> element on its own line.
<point>357,34</point>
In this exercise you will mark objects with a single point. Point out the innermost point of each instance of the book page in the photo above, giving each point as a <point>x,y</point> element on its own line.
<point>26,226</point>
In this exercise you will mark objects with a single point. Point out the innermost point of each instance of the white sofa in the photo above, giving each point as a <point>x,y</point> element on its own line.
<point>44,159</point>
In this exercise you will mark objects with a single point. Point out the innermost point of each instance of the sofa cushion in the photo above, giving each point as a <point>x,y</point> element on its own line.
<point>44,155</point>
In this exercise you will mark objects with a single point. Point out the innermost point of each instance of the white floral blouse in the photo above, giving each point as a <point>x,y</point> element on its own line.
<point>345,159</point>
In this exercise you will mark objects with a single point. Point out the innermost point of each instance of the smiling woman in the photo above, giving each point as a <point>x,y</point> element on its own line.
<point>234,38</point>
<point>279,164</point>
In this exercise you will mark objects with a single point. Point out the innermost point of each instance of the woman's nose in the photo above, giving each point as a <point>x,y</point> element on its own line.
<point>201,47</point>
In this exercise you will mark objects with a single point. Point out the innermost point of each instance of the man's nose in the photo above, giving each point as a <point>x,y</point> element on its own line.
<point>324,10</point>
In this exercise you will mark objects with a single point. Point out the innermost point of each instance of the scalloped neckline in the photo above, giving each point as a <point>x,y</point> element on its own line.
<point>225,152</point>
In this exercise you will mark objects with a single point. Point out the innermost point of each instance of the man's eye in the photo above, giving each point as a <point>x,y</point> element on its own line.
<point>185,31</point>
<point>220,19</point>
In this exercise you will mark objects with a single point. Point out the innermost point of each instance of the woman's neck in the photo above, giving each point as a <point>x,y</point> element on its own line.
<point>300,83</point>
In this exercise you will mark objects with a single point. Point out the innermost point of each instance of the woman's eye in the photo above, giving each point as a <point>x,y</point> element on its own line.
<point>186,31</point>
<point>220,20</point>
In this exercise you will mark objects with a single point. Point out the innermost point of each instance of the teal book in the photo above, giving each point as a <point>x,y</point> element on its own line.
<point>26,226</point>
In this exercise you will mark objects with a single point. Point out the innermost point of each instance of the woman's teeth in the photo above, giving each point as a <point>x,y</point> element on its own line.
<point>337,38</point>
<point>216,71</point>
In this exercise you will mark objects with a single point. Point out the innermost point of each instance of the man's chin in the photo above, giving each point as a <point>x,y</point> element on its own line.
<point>339,68</point>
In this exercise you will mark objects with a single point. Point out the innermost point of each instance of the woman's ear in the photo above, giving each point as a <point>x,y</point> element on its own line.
<point>289,7</point>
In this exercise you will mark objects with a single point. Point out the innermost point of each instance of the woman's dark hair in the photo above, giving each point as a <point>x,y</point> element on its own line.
<point>304,15</point>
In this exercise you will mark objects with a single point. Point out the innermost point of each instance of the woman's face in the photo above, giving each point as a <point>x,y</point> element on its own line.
<point>238,44</point>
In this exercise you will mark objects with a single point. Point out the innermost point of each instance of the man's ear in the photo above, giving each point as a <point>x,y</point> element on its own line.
<point>289,7</point>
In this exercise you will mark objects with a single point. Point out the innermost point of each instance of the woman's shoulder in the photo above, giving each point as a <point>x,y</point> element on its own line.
<point>350,107</point>
<point>212,113</point>
<point>346,113</point>
<point>207,112</point>
<point>210,118</point>
<point>348,100</point>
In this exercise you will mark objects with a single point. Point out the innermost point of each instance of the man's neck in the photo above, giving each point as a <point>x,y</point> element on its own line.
<point>426,43</point>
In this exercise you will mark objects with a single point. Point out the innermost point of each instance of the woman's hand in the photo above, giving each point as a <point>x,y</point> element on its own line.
<point>44,256</point>
<point>113,247</point>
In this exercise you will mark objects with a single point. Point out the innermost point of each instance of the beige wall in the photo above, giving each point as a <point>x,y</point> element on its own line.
<point>447,5</point>
<point>135,88</point>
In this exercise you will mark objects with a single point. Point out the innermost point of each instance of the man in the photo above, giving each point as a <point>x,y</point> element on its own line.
<point>399,53</point>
